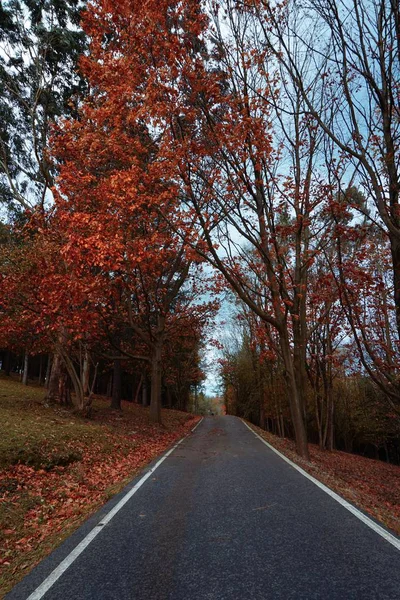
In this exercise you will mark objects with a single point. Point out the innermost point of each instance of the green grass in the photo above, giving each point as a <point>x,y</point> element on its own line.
<point>37,435</point>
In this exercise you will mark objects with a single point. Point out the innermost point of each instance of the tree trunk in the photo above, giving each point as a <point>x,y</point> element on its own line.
<point>318,416</point>
<point>80,402</point>
<point>86,372</point>
<point>156,373</point>
<point>53,392</point>
<point>117,385</point>
<point>296,409</point>
<point>330,433</point>
<point>145,392</point>
<point>395,250</point>
<point>282,420</point>
<point>48,371</point>
<point>277,419</point>
<point>40,369</point>
<point>26,368</point>
<point>109,386</point>
<point>138,388</point>
<point>64,389</point>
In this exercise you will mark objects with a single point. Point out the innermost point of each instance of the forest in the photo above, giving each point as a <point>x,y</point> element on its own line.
<point>159,159</point>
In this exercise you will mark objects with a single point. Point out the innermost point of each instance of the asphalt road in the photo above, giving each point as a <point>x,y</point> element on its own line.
<point>225,518</point>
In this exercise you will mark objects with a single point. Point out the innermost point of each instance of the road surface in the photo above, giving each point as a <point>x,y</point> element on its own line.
<point>224,518</point>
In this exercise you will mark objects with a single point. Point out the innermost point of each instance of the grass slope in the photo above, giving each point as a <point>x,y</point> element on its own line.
<point>57,468</point>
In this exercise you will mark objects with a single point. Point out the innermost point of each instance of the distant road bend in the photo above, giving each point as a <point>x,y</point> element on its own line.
<point>221,518</point>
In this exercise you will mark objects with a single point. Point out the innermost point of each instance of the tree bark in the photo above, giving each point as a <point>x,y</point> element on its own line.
<point>109,386</point>
<point>296,407</point>
<point>26,368</point>
<point>156,371</point>
<point>138,388</point>
<point>117,385</point>
<point>86,372</point>
<point>48,371</point>
<point>156,374</point>
<point>64,386</point>
<point>395,249</point>
<point>145,392</point>
<point>53,392</point>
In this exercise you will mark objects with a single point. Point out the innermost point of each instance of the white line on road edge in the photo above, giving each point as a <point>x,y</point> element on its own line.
<point>357,513</point>
<point>197,424</point>
<point>72,556</point>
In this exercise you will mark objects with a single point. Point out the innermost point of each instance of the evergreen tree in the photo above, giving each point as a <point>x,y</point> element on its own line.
<point>40,45</point>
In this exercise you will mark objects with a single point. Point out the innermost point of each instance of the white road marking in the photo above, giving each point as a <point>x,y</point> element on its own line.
<point>73,555</point>
<point>197,424</point>
<point>357,513</point>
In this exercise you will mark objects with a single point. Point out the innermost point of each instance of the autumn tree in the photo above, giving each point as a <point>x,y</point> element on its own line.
<point>203,86</point>
<point>45,308</point>
<point>40,45</point>
<point>113,187</point>
<point>352,91</point>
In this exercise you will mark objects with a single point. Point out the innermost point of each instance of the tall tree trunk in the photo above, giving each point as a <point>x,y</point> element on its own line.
<point>136,392</point>
<point>156,371</point>
<point>80,402</point>
<point>395,250</point>
<point>318,417</point>
<point>330,432</point>
<point>64,387</point>
<point>282,420</point>
<point>86,372</point>
<point>156,375</point>
<point>26,368</point>
<point>53,392</point>
<point>109,385</point>
<point>145,392</point>
<point>296,408</point>
<point>277,419</point>
<point>260,386</point>
<point>117,385</point>
<point>299,368</point>
<point>48,370</point>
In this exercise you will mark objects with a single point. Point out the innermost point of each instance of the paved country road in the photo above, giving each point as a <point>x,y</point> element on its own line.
<point>224,518</point>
